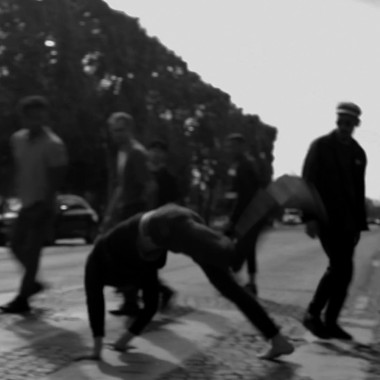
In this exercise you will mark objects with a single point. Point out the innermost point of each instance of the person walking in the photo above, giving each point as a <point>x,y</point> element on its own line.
<point>132,187</point>
<point>133,252</point>
<point>245,183</point>
<point>335,165</point>
<point>167,192</point>
<point>40,159</point>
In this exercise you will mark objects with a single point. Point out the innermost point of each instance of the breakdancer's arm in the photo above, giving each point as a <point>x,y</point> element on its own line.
<point>95,305</point>
<point>150,295</point>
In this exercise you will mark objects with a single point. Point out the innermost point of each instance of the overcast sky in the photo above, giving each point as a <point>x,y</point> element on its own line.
<point>289,61</point>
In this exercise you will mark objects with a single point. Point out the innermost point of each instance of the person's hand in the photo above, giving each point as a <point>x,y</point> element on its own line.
<point>312,229</point>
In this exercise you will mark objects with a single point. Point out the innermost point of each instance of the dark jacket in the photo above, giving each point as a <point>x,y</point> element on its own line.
<point>245,184</point>
<point>127,194</point>
<point>337,171</point>
<point>115,261</point>
<point>167,187</point>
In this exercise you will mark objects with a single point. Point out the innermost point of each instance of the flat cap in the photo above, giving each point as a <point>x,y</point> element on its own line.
<point>348,108</point>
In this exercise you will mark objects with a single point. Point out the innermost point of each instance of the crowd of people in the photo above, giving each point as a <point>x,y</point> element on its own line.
<point>145,218</point>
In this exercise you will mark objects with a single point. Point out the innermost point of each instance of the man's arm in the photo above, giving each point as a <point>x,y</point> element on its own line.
<point>150,295</point>
<point>95,303</point>
<point>145,177</point>
<point>57,162</point>
<point>309,173</point>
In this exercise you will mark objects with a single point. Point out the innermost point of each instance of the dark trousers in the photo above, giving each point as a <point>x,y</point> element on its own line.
<point>246,303</point>
<point>332,289</point>
<point>29,234</point>
<point>213,252</point>
<point>246,249</point>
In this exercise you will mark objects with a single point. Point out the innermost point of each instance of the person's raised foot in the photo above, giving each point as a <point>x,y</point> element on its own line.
<point>279,346</point>
<point>335,331</point>
<point>315,325</point>
<point>17,306</point>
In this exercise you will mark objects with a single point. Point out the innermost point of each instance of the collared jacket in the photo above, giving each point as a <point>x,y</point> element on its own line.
<point>134,190</point>
<point>337,172</point>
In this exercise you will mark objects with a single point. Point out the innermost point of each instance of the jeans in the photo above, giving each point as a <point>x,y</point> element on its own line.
<point>29,234</point>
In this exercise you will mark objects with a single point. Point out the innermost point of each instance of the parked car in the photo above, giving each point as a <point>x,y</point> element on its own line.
<point>75,219</point>
<point>292,216</point>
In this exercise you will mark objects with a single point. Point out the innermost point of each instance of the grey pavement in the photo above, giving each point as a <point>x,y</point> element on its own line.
<point>202,336</point>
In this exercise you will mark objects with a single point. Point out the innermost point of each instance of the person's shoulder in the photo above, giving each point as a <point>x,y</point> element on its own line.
<point>323,140</point>
<point>52,137</point>
<point>138,149</point>
<point>20,134</point>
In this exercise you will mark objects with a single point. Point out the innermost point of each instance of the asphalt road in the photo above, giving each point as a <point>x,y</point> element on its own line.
<point>290,265</point>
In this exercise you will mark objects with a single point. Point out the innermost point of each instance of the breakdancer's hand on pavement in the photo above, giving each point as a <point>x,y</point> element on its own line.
<point>312,229</point>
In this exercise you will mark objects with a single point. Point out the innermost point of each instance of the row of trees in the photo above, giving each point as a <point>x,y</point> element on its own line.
<point>90,61</point>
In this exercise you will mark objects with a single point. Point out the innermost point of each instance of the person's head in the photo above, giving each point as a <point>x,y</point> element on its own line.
<point>34,111</point>
<point>348,117</point>
<point>158,154</point>
<point>235,145</point>
<point>121,127</point>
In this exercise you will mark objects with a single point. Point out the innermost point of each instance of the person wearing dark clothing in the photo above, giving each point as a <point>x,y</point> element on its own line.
<point>245,183</point>
<point>335,165</point>
<point>133,252</point>
<point>40,159</point>
<point>167,183</point>
<point>131,187</point>
<point>167,192</point>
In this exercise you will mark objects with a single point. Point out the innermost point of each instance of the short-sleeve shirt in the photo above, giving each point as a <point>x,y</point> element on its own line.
<point>34,158</point>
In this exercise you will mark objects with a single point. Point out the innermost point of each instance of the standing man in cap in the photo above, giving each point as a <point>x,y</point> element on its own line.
<point>335,165</point>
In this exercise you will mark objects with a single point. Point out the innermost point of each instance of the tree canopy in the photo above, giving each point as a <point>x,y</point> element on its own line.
<point>89,61</point>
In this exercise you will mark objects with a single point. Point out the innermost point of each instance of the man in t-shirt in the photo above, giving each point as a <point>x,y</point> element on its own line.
<point>40,164</point>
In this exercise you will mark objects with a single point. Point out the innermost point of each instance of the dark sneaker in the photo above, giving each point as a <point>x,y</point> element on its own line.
<point>335,331</point>
<point>251,288</point>
<point>315,325</point>
<point>17,306</point>
<point>129,310</point>
<point>38,287</point>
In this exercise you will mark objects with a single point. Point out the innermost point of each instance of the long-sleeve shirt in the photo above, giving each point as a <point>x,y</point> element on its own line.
<point>115,261</point>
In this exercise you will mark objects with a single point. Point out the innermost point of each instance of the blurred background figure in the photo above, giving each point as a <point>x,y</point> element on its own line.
<point>132,188</point>
<point>167,192</point>
<point>335,164</point>
<point>40,160</point>
<point>167,184</point>
<point>244,184</point>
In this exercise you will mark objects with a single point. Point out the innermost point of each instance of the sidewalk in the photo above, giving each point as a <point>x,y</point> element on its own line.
<point>205,343</point>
